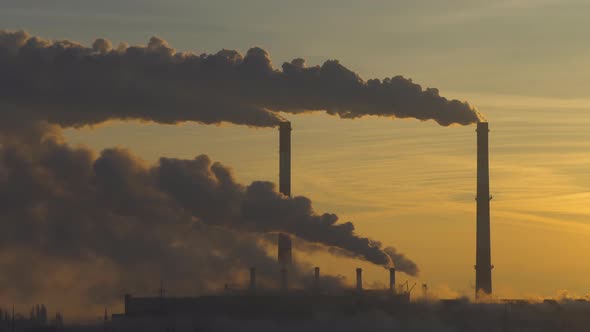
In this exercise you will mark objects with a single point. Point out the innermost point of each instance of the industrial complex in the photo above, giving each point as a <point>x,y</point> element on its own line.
<point>283,302</point>
<point>316,304</point>
<point>253,302</point>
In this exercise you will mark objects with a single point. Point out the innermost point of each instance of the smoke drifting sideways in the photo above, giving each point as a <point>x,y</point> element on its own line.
<point>70,84</point>
<point>77,224</point>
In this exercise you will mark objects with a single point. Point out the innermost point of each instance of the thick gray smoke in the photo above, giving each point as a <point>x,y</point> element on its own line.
<point>213,196</point>
<point>121,222</point>
<point>89,227</point>
<point>73,85</point>
<point>211,193</point>
<point>79,224</point>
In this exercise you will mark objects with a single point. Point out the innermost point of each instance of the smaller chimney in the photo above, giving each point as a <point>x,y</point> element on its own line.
<point>316,279</point>
<point>392,280</point>
<point>253,279</point>
<point>284,284</point>
<point>359,279</point>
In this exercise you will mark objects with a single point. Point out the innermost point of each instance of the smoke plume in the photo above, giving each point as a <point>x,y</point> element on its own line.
<point>211,193</point>
<point>101,223</point>
<point>70,84</point>
<point>80,224</point>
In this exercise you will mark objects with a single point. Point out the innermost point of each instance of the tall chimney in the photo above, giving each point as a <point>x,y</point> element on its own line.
<point>359,279</point>
<point>285,158</point>
<point>316,279</point>
<point>392,280</point>
<point>284,284</point>
<point>252,279</point>
<point>483,256</point>
<point>284,245</point>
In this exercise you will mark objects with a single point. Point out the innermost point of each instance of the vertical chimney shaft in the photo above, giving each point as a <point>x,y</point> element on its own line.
<point>285,158</point>
<point>392,280</point>
<point>359,279</point>
<point>483,264</point>
<point>284,240</point>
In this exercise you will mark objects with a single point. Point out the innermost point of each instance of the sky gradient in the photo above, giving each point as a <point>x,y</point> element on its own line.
<point>407,183</point>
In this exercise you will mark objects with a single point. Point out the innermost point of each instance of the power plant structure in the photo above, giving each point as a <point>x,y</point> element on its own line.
<point>253,302</point>
<point>483,255</point>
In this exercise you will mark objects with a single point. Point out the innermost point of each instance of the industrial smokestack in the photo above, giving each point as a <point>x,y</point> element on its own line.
<point>316,279</point>
<point>359,279</point>
<point>284,281</point>
<point>392,280</point>
<point>285,158</point>
<point>252,279</point>
<point>284,248</point>
<point>483,263</point>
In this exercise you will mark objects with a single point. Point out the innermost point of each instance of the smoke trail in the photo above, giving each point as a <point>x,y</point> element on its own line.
<point>211,193</point>
<point>113,221</point>
<point>89,227</point>
<point>401,262</point>
<point>73,85</point>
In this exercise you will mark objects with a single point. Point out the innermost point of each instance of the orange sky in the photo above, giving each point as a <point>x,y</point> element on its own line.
<point>411,184</point>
